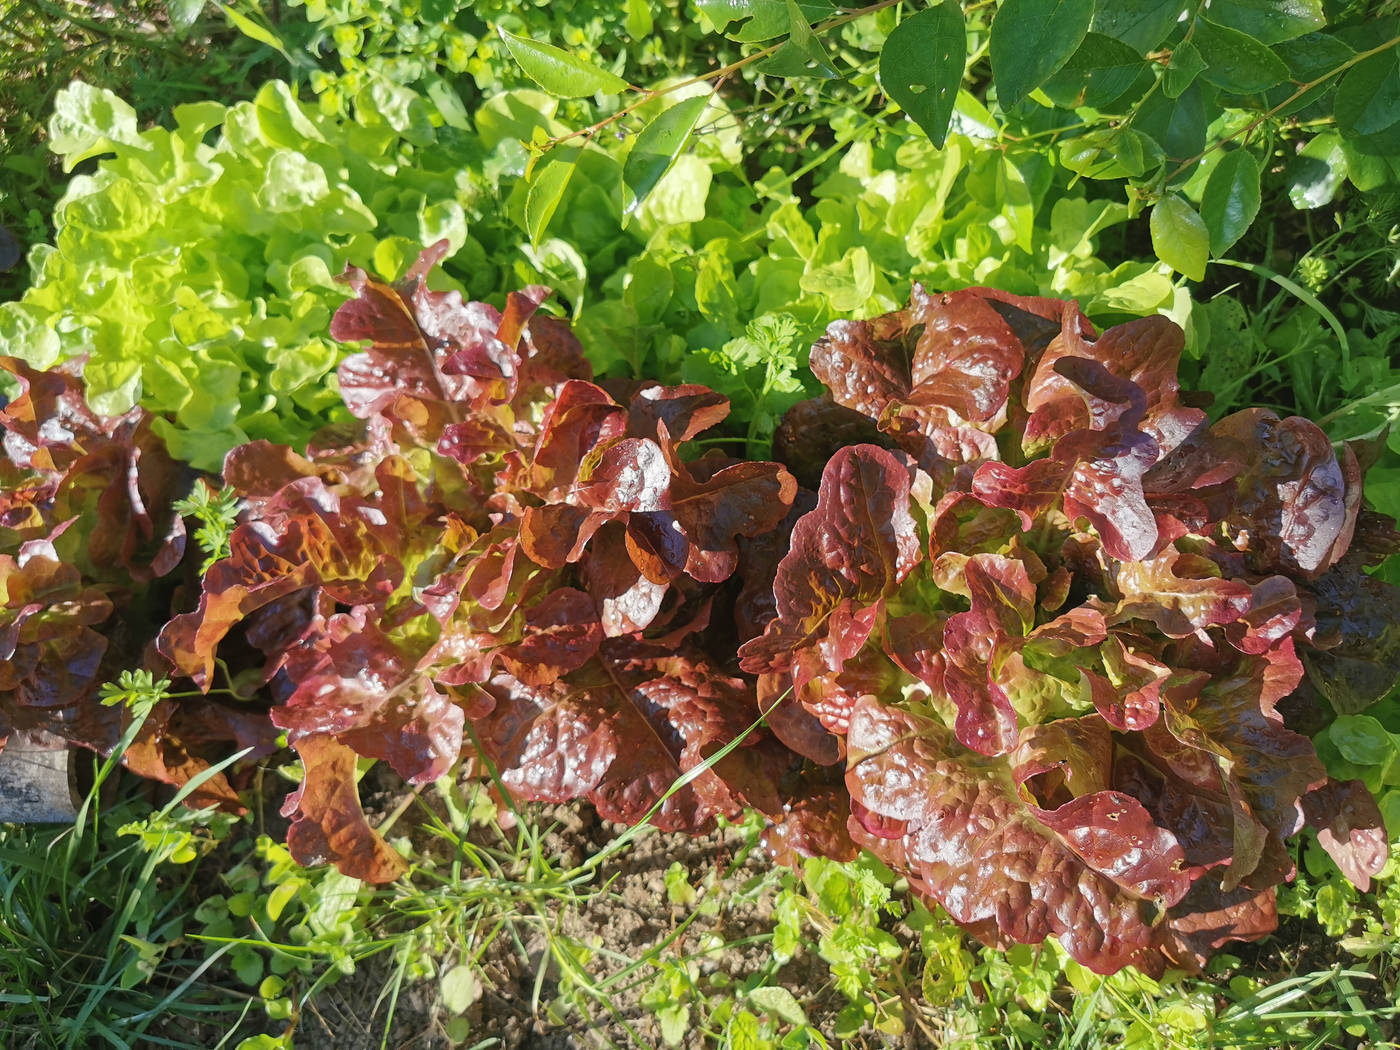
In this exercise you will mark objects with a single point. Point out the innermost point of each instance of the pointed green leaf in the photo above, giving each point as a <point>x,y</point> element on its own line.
<point>558,72</point>
<point>1141,24</point>
<point>1231,200</point>
<point>547,186</point>
<point>1031,39</point>
<point>657,146</point>
<point>1186,62</point>
<point>639,21</point>
<point>1097,73</point>
<point>802,54</point>
<point>921,66</point>
<point>1269,21</point>
<point>761,19</point>
<point>1368,97</point>
<point>1179,237</point>
<point>1015,198</point>
<point>1235,61</point>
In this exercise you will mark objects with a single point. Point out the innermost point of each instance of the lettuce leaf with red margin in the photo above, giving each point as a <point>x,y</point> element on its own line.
<point>851,551</point>
<point>596,462</point>
<point>110,476</point>
<point>328,824</point>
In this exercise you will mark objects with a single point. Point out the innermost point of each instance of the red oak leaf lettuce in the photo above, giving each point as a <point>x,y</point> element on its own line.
<point>501,551</point>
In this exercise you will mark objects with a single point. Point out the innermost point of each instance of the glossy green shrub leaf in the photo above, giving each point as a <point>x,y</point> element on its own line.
<point>1185,63</point>
<point>558,72</point>
<point>1178,126</point>
<point>759,19</point>
<point>1107,154</point>
<point>1179,237</point>
<point>546,189</point>
<point>1311,59</point>
<point>1236,61</point>
<point>639,20</point>
<point>1031,39</point>
<point>802,54</point>
<point>657,146</point>
<point>1315,175</point>
<point>1368,97</point>
<point>1231,200</point>
<point>1141,24</point>
<point>1100,71</point>
<point>1269,21</point>
<point>921,66</point>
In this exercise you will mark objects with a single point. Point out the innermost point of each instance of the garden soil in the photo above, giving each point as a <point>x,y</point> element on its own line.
<point>622,923</point>
<point>520,1003</point>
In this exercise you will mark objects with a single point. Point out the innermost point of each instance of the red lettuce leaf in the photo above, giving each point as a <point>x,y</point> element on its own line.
<point>1350,828</point>
<point>366,691</point>
<point>1263,767</point>
<point>328,824</point>
<point>813,821</point>
<point>625,727</point>
<point>1091,872</point>
<point>1291,507</point>
<point>1210,917</point>
<point>976,644</point>
<point>1355,657</point>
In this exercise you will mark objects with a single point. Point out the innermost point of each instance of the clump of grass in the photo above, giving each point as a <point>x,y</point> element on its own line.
<point>92,921</point>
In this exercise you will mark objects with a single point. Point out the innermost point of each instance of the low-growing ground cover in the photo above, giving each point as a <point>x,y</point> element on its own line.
<point>1072,649</point>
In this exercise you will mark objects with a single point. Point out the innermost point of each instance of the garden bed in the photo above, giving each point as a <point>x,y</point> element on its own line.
<point>706,525</point>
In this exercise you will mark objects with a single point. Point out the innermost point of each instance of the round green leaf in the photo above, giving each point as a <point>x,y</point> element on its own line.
<point>1315,175</point>
<point>460,988</point>
<point>779,1002</point>
<point>1179,237</point>
<point>1362,739</point>
<point>1231,200</point>
<point>921,66</point>
<point>657,146</point>
<point>1031,39</point>
<point>1235,61</point>
<point>558,72</point>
